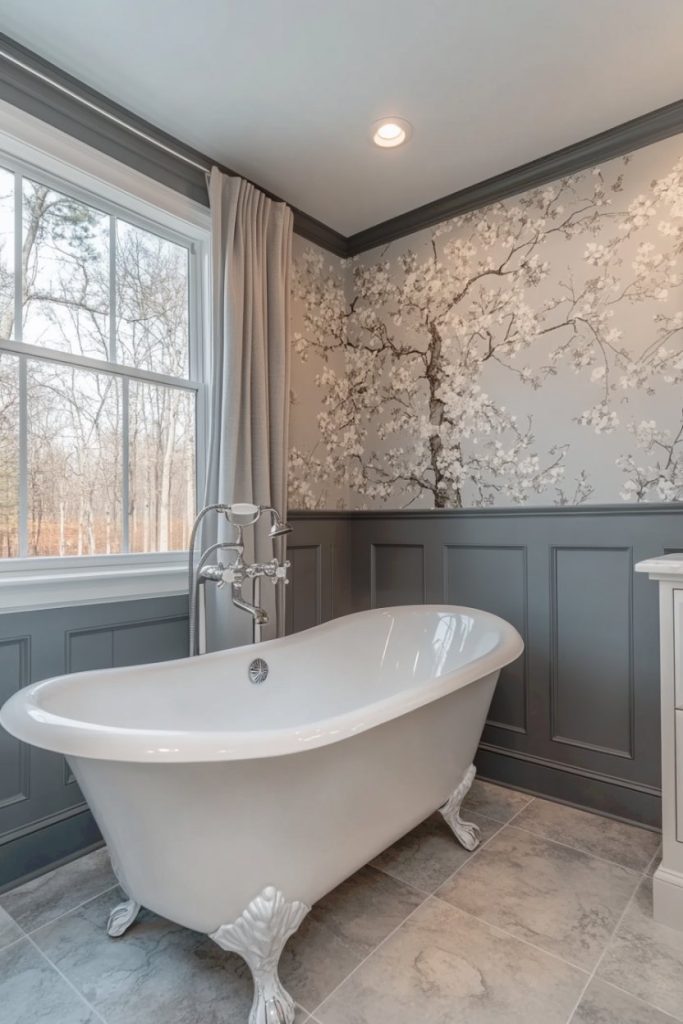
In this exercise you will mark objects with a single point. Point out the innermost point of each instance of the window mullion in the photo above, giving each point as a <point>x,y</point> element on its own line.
<point>112,290</point>
<point>23,457</point>
<point>54,355</point>
<point>18,257</point>
<point>125,465</point>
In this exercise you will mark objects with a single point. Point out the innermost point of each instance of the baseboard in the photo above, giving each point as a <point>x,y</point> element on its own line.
<point>39,850</point>
<point>667,889</point>
<point>637,805</point>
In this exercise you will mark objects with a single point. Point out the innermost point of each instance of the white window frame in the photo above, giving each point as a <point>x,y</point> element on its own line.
<point>41,152</point>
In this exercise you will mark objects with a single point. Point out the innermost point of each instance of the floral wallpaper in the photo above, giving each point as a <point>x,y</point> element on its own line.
<point>528,352</point>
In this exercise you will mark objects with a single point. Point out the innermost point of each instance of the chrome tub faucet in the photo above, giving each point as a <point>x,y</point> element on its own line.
<point>239,515</point>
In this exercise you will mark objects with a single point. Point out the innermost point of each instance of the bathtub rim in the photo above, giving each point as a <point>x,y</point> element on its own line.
<point>24,718</point>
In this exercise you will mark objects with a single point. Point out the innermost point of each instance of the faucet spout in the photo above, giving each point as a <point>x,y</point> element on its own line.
<point>259,615</point>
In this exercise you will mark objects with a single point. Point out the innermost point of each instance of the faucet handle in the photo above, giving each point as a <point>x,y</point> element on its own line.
<point>280,570</point>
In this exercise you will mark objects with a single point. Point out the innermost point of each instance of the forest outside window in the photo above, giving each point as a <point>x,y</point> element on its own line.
<point>99,379</point>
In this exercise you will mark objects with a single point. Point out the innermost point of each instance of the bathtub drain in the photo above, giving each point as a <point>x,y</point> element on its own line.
<point>258,670</point>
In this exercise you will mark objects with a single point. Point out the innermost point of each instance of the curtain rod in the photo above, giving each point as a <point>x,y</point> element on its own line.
<point>55,84</point>
<point>29,64</point>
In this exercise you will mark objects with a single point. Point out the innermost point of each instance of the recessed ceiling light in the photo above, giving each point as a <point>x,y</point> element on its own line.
<point>391,131</point>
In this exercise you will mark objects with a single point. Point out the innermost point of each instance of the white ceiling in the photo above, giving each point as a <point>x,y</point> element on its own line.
<point>284,91</point>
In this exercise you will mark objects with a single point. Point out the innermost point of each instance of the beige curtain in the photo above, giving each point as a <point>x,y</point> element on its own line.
<point>250,360</point>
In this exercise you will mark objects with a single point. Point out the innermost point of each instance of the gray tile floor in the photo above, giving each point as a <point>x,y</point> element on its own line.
<point>548,922</point>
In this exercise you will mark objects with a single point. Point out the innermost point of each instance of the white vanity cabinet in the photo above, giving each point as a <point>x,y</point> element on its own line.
<point>668,880</point>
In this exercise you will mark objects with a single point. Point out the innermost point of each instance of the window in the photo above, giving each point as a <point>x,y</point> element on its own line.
<point>100,373</point>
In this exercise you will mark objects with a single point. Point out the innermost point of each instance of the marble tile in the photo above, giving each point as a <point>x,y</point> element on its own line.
<point>46,897</point>
<point>561,899</point>
<point>9,929</point>
<point>603,1004</point>
<point>157,971</point>
<point>443,967</point>
<point>628,845</point>
<point>341,930</point>
<point>646,958</point>
<point>430,854</point>
<point>493,801</point>
<point>32,992</point>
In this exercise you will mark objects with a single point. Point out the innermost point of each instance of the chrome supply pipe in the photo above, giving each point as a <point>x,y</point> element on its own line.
<point>196,580</point>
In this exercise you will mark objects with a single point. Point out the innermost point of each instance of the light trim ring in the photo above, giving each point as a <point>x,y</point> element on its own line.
<point>389,132</point>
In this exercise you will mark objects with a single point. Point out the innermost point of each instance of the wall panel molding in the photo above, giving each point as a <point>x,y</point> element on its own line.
<point>99,642</point>
<point>592,650</point>
<point>387,575</point>
<point>304,599</point>
<point>607,794</point>
<point>591,671</point>
<point>492,595</point>
<point>50,822</point>
<point>18,648</point>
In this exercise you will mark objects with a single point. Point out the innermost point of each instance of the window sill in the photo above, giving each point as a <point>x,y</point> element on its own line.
<point>33,584</point>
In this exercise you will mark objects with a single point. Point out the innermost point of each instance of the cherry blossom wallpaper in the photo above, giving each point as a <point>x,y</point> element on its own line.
<point>528,352</point>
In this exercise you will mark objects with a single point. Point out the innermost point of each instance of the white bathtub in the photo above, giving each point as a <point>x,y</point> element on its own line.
<point>230,807</point>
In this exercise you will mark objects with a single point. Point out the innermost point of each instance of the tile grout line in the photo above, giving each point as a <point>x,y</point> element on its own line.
<point>640,878</point>
<point>422,904</point>
<point>594,972</point>
<point>638,999</point>
<point>510,935</point>
<point>79,906</point>
<point>14,941</point>
<point>472,853</point>
<point>581,849</point>
<point>502,825</point>
<point>64,978</point>
<point>638,875</point>
<point>366,958</point>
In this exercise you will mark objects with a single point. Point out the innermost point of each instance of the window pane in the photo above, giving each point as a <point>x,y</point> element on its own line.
<point>151,301</point>
<point>162,461</point>
<point>9,456</point>
<point>74,461</point>
<point>6,254</point>
<point>66,273</point>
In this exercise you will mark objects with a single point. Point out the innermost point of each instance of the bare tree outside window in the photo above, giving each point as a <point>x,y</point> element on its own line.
<point>92,286</point>
<point>74,461</point>
<point>6,253</point>
<point>162,471</point>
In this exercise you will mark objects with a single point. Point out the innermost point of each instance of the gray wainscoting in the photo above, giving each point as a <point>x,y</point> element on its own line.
<point>43,818</point>
<point>577,716</point>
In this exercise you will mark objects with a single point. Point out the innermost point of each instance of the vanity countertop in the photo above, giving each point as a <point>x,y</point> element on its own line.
<point>663,565</point>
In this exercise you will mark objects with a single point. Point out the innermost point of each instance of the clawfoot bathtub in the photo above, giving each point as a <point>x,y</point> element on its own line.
<point>230,803</point>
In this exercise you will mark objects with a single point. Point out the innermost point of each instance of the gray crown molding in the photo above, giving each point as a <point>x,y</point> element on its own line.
<point>40,88</point>
<point>617,141</point>
<point>50,94</point>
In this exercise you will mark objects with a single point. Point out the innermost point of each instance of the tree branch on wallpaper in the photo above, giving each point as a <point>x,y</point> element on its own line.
<point>421,350</point>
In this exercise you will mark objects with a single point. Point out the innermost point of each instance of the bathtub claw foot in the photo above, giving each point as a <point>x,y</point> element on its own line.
<point>466,832</point>
<point>259,935</point>
<point>122,917</point>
